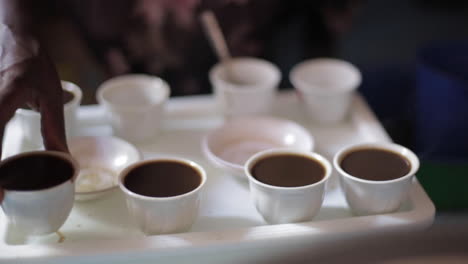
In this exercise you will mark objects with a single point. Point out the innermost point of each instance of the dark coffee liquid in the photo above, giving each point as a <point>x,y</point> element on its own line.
<point>35,172</point>
<point>286,170</point>
<point>162,179</point>
<point>375,164</point>
<point>67,97</point>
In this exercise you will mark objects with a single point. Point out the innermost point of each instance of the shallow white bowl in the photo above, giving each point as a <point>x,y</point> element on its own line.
<point>231,145</point>
<point>101,160</point>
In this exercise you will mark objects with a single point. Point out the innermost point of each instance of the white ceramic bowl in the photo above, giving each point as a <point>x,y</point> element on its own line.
<point>231,145</point>
<point>325,87</point>
<point>101,160</point>
<point>163,215</point>
<point>366,197</point>
<point>135,105</point>
<point>39,211</point>
<point>248,88</point>
<point>279,205</point>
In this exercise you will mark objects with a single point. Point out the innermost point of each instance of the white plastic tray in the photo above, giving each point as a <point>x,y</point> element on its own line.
<point>228,224</point>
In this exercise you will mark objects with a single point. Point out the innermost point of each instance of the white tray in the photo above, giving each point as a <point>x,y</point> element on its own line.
<point>228,224</point>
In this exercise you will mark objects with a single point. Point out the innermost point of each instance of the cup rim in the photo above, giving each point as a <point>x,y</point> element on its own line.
<point>75,90</point>
<point>187,162</point>
<point>215,70</point>
<point>276,151</point>
<point>113,82</point>
<point>207,151</point>
<point>66,86</point>
<point>58,154</point>
<point>298,83</point>
<point>392,147</point>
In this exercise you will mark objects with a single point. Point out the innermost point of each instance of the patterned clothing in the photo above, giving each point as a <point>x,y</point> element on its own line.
<point>165,37</point>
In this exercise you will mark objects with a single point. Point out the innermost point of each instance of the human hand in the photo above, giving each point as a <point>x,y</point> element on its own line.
<point>34,82</point>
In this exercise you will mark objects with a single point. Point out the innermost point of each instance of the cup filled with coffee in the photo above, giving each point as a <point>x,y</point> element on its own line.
<point>287,185</point>
<point>134,104</point>
<point>39,190</point>
<point>325,87</point>
<point>163,195</point>
<point>376,177</point>
<point>245,86</point>
<point>30,120</point>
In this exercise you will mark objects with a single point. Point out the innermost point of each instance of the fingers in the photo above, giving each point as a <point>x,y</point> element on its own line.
<point>53,126</point>
<point>51,108</point>
<point>52,121</point>
<point>1,147</point>
<point>2,129</point>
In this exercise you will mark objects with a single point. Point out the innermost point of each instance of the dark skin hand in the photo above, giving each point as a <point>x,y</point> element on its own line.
<point>34,82</point>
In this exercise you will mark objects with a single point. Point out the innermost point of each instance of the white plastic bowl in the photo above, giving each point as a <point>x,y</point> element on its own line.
<point>101,160</point>
<point>231,145</point>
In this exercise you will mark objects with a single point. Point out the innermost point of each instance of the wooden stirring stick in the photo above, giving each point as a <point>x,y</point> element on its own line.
<point>218,41</point>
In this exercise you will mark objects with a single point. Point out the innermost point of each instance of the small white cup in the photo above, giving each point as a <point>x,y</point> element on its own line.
<point>39,211</point>
<point>287,204</point>
<point>366,197</point>
<point>325,87</point>
<point>30,120</point>
<point>248,87</point>
<point>135,105</point>
<point>163,215</point>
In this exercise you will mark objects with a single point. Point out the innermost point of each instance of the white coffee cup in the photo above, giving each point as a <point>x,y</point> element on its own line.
<point>366,197</point>
<point>162,215</point>
<point>325,87</point>
<point>287,204</point>
<point>135,105</point>
<point>245,86</point>
<point>30,120</point>
<point>42,211</point>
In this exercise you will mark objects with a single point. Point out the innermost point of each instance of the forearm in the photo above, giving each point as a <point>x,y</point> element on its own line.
<point>17,32</point>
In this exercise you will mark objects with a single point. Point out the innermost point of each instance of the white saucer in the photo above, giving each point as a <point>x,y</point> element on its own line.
<point>101,159</point>
<point>231,145</point>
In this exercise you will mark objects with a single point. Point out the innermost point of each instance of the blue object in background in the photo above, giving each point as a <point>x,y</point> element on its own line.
<point>389,90</point>
<point>441,127</point>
